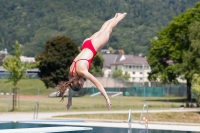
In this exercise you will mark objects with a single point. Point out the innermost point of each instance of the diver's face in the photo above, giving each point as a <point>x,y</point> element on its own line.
<point>77,83</point>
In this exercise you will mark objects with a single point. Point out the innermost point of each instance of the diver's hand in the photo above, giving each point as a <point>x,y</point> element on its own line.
<point>108,104</point>
<point>69,103</point>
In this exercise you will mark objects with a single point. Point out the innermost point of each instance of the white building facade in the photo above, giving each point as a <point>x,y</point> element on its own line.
<point>108,60</point>
<point>136,67</point>
<point>27,59</point>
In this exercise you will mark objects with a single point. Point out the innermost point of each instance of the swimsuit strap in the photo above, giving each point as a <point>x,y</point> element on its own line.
<point>74,68</point>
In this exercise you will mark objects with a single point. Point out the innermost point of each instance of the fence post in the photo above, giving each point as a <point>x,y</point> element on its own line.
<point>18,93</point>
<point>119,98</point>
<point>38,94</point>
<point>9,108</point>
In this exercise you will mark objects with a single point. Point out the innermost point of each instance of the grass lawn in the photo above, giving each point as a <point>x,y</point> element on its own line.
<point>87,103</point>
<point>26,86</point>
<point>31,87</point>
<point>187,117</point>
<point>29,96</point>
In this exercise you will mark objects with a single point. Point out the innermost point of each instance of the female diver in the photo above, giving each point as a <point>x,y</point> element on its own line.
<point>81,64</point>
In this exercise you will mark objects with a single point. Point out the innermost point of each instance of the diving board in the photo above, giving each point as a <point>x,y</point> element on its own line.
<point>46,129</point>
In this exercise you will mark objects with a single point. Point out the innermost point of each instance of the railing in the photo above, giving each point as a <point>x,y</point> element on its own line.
<point>117,94</point>
<point>144,119</point>
<point>36,108</point>
<point>130,121</point>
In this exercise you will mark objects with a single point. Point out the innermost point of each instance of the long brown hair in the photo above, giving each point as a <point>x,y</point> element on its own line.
<point>73,84</point>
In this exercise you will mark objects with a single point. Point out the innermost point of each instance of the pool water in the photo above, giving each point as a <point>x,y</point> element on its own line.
<point>95,129</point>
<point>24,125</point>
<point>125,130</point>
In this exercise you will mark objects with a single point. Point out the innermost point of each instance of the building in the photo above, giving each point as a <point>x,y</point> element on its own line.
<point>136,66</point>
<point>110,59</point>
<point>4,51</point>
<point>30,72</point>
<point>105,51</point>
<point>27,59</point>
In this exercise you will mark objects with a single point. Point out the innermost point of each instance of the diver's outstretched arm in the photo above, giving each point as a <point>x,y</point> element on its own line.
<point>69,102</point>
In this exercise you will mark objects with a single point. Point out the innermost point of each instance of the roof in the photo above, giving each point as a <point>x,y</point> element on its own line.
<point>132,60</point>
<point>110,59</point>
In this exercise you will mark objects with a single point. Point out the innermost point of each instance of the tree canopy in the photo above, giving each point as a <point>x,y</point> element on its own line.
<point>17,70</point>
<point>196,86</point>
<point>16,67</point>
<point>55,60</point>
<point>120,75</point>
<point>32,22</point>
<point>97,65</point>
<point>166,56</point>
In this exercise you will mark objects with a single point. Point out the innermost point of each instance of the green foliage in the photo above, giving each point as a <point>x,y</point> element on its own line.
<point>2,56</point>
<point>119,75</point>
<point>16,67</point>
<point>97,65</point>
<point>176,44</point>
<point>196,86</point>
<point>55,60</point>
<point>170,45</point>
<point>191,57</point>
<point>32,22</point>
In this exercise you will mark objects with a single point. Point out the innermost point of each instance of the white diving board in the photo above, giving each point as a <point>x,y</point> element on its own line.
<point>46,129</point>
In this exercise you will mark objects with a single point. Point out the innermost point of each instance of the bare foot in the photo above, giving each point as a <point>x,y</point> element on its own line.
<point>121,15</point>
<point>116,15</point>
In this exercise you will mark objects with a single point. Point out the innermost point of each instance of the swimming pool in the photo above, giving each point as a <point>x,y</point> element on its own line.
<point>62,126</point>
<point>39,127</point>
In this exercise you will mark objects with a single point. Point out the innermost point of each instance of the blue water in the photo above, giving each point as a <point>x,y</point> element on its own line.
<point>125,130</point>
<point>23,125</point>
<point>95,129</point>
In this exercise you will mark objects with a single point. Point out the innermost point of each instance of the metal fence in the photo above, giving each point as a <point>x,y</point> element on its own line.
<point>29,75</point>
<point>161,91</point>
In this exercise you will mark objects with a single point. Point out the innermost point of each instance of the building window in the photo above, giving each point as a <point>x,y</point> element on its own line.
<point>133,78</point>
<point>140,72</point>
<point>140,78</point>
<point>129,66</point>
<point>140,67</point>
<point>133,72</point>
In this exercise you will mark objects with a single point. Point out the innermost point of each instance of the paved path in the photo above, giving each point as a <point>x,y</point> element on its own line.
<point>49,115</point>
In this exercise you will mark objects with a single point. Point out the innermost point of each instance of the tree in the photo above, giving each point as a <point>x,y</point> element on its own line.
<point>2,56</point>
<point>119,75</point>
<point>191,57</point>
<point>169,46</point>
<point>196,86</point>
<point>97,65</point>
<point>36,22</point>
<point>17,70</point>
<point>55,60</point>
